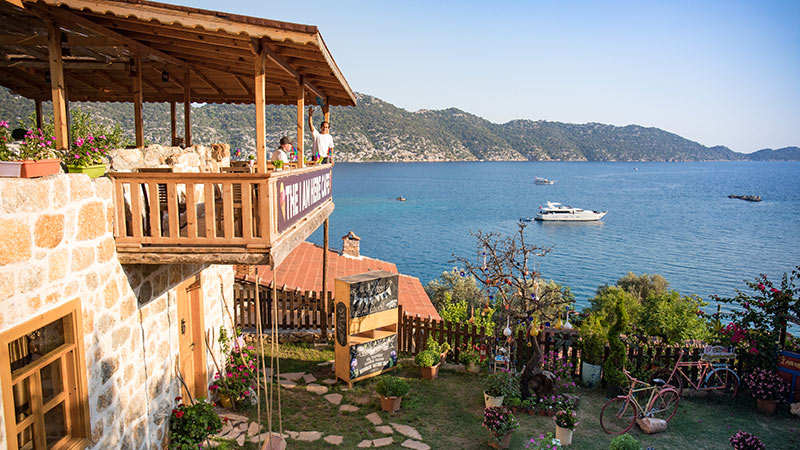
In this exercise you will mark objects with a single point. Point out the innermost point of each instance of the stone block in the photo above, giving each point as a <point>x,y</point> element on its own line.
<point>111,293</point>
<point>103,188</point>
<point>15,241</point>
<point>120,336</point>
<point>105,399</point>
<point>25,195</point>
<point>407,431</point>
<point>106,249</point>
<point>334,440</point>
<point>108,367</point>
<point>82,258</point>
<point>31,278</point>
<point>60,197</point>
<point>7,284</point>
<point>385,429</point>
<point>374,418</point>
<point>415,445</point>
<point>57,264</point>
<point>382,442</point>
<point>49,230</point>
<point>366,443</point>
<point>309,436</point>
<point>91,221</point>
<point>80,187</point>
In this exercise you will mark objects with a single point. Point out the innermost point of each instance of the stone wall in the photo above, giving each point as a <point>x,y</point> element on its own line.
<point>57,245</point>
<point>196,158</point>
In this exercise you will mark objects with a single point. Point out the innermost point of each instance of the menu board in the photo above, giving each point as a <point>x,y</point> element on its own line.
<point>373,296</point>
<point>373,356</point>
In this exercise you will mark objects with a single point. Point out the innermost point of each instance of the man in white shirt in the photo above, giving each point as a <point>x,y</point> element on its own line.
<point>323,142</point>
<point>282,152</point>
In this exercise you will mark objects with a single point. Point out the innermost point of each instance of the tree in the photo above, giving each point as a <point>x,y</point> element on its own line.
<point>644,285</point>
<point>455,286</point>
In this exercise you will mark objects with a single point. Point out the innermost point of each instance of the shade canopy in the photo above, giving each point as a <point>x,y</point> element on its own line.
<point>101,40</point>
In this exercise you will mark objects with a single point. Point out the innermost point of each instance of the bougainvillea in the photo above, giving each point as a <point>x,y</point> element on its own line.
<point>499,421</point>
<point>746,441</point>
<point>766,385</point>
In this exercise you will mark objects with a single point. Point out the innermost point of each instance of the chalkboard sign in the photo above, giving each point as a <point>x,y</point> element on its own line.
<point>341,323</point>
<point>373,296</point>
<point>374,356</point>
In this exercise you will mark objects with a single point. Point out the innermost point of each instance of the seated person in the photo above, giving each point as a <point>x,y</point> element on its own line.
<point>282,152</point>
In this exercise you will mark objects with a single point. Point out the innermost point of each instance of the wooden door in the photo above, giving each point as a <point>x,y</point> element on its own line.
<point>190,337</point>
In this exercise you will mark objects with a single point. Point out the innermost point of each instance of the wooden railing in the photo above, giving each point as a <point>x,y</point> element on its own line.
<point>297,310</point>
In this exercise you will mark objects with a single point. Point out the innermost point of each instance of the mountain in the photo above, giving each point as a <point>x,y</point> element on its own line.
<point>379,131</point>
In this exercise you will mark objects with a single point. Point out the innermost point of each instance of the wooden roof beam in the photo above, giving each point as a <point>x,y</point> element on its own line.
<point>258,44</point>
<point>244,85</point>
<point>73,65</point>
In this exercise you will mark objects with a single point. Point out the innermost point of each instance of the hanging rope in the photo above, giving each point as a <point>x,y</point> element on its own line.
<point>260,349</point>
<point>275,342</point>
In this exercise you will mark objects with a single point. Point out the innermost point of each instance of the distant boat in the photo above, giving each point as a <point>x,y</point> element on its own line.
<point>526,219</point>
<point>749,198</point>
<point>400,199</point>
<point>558,212</point>
<point>540,180</point>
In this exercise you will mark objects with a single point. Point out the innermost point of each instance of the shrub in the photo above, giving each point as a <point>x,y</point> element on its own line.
<point>612,369</point>
<point>432,345</point>
<point>746,441</point>
<point>593,341</point>
<point>566,418</point>
<point>502,383</point>
<point>190,425</point>
<point>766,385</point>
<point>624,442</point>
<point>239,372</point>
<point>516,402</point>
<point>470,354</point>
<point>427,358</point>
<point>391,386</point>
<point>499,421</point>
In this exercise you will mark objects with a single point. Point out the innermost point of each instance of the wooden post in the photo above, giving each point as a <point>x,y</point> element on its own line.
<point>325,280</point>
<point>187,109</point>
<point>38,114</point>
<point>173,133</point>
<point>300,122</point>
<point>138,123</point>
<point>261,109</point>
<point>57,87</point>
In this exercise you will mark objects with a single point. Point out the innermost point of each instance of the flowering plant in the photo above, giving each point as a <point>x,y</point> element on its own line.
<point>766,385</point>
<point>190,425</point>
<point>37,146</point>
<point>566,418</point>
<point>502,383</point>
<point>499,421</point>
<point>544,442</point>
<point>87,151</point>
<point>746,441</point>
<point>5,138</point>
<point>470,354</point>
<point>240,370</point>
<point>562,369</point>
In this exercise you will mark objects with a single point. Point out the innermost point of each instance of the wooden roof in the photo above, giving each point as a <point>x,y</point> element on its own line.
<point>100,37</point>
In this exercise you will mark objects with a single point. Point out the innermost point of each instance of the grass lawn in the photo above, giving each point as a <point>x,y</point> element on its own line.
<point>448,412</point>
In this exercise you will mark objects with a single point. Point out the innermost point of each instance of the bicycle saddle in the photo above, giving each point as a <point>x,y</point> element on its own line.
<point>658,381</point>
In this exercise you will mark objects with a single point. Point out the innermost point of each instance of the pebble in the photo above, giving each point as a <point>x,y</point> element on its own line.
<point>253,429</point>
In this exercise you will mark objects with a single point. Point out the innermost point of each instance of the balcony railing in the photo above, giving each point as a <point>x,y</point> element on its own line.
<point>225,218</point>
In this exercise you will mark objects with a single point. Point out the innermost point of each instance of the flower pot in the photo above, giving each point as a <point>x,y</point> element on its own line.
<point>492,401</point>
<point>33,169</point>
<point>766,406</point>
<point>430,373</point>
<point>225,401</point>
<point>94,171</point>
<point>500,442</point>
<point>10,168</point>
<point>564,435</point>
<point>590,374</point>
<point>472,367</point>
<point>390,404</point>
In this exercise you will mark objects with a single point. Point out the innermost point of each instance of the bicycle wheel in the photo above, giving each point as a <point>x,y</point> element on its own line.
<point>675,380</point>
<point>617,415</point>
<point>664,405</point>
<point>722,383</point>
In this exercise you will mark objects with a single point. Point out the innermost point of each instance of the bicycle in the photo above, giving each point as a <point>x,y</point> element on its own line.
<point>619,414</point>
<point>718,379</point>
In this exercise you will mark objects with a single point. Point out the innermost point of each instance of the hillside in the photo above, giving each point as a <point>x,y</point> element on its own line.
<point>379,131</point>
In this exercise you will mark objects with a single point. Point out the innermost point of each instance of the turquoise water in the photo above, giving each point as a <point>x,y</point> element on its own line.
<point>669,218</point>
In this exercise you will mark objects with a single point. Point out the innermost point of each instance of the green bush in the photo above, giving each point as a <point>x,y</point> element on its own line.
<point>190,425</point>
<point>513,401</point>
<point>593,341</point>
<point>502,383</point>
<point>436,347</point>
<point>612,369</point>
<point>624,442</point>
<point>391,386</point>
<point>427,358</point>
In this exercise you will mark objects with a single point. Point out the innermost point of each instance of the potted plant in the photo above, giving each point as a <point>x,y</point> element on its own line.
<point>501,423</point>
<point>391,390</point>
<point>746,441</point>
<point>592,345</point>
<point>470,356</point>
<point>190,425</point>
<point>440,349</point>
<point>624,442</point>
<point>768,388</point>
<point>278,164</point>
<point>88,155</point>
<point>429,362</point>
<point>566,421</point>
<point>9,167</point>
<point>543,442</point>
<point>513,402</point>
<point>234,384</point>
<point>498,385</point>
<point>36,155</point>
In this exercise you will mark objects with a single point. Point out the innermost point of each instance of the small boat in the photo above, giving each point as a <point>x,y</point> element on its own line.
<point>400,199</point>
<point>526,219</point>
<point>540,180</point>
<point>749,198</point>
<point>558,212</point>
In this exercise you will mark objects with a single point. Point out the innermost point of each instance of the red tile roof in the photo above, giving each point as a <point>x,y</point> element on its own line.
<point>303,269</point>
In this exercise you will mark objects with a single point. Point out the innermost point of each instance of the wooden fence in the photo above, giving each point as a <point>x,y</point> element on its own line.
<point>297,310</point>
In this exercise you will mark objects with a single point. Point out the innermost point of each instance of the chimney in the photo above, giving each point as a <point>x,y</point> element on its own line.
<point>350,245</point>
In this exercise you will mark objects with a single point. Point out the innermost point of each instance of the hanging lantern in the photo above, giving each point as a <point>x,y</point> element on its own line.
<point>507,331</point>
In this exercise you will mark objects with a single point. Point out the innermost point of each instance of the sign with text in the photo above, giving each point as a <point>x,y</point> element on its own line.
<point>373,295</point>
<point>299,194</point>
<point>373,356</point>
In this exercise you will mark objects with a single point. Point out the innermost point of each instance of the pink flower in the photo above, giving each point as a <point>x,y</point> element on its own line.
<point>79,142</point>
<point>3,124</point>
<point>760,287</point>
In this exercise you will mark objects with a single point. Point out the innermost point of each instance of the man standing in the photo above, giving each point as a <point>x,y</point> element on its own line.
<point>323,142</point>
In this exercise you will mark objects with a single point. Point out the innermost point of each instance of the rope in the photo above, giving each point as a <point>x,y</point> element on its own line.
<point>260,347</point>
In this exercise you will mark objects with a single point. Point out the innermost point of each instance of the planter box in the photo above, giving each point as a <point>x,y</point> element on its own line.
<point>430,373</point>
<point>33,169</point>
<point>390,404</point>
<point>766,406</point>
<point>97,170</point>
<point>10,168</point>
<point>564,435</point>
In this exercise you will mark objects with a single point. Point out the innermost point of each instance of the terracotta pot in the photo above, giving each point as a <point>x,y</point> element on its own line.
<point>564,435</point>
<point>225,401</point>
<point>766,406</point>
<point>430,373</point>
<point>490,401</point>
<point>33,169</point>
<point>10,168</point>
<point>390,404</point>
<point>94,171</point>
<point>531,411</point>
<point>498,442</point>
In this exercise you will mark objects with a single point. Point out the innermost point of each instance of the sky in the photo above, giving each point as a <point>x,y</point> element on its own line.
<point>716,72</point>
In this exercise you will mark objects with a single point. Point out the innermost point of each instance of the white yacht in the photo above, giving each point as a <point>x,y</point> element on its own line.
<point>556,211</point>
<point>540,180</point>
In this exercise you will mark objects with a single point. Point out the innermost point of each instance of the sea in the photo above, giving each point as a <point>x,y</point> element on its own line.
<point>673,219</point>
